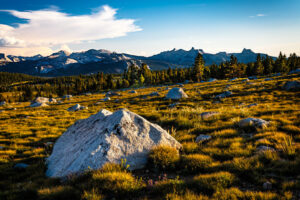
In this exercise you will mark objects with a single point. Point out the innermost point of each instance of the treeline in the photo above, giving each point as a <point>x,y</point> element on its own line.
<point>22,87</point>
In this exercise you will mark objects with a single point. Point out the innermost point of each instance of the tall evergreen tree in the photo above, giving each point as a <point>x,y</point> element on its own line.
<point>198,68</point>
<point>258,66</point>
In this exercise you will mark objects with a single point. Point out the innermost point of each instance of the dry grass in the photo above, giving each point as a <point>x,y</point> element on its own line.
<point>25,131</point>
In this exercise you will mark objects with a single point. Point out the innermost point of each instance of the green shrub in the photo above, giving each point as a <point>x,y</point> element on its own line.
<point>186,196</point>
<point>196,162</point>
<point>210,183</point>
<point>116,182</point>
<point>163,157</point>
<point>59,192</point>
<point>169,186</point>
<point>236,194</point>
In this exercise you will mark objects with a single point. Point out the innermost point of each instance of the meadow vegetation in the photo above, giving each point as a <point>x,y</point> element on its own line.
<point>227,166</point>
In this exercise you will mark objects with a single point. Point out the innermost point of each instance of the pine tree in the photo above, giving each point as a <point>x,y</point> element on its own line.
<point>268,65</point>
<point>198,68</point>
<point>258,66</point>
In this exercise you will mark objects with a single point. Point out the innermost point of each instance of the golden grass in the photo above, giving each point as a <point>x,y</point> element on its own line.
<point>25,131</point>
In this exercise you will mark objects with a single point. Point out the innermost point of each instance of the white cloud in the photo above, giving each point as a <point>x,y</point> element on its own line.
<point>257,15</point>
<point>46,28</point>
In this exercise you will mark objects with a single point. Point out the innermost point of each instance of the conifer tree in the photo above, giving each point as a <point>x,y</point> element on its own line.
<point>258,66</point>
<point>198,68</point>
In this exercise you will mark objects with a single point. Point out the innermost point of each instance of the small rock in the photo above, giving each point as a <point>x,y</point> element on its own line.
<point>153,94</point>
<point>268,79</point>
<point>21,166</point>
<point>212,80</point>
<point>206,115</point>
<point>110,94</point>
<point>224,95</point>
<point>264,148</point>
<point>250,83</point>
<point>252,105</point>
<point>173,105</point>
<point>202,138</point>
<point>67,96</point>
<point>77,107</point>
<point>245,80</point>
<point>37,104</point>
<point>105,99</point>
<point>2,103</point>
<point>132,92</point>
<point>176,93</point>
<point>87,94</point>
<point>267,185</point>
<point>252,77</point>
<point>253,122</point>
<point>277,74</point>
<point>52,100</point>
<point>233,79</point>
<point>1,147</point>
<point>292,86</point>
<point>296,71</point>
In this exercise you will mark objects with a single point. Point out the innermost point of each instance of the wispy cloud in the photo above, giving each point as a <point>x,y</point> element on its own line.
<point>46,28</point>
<point>257,15</point>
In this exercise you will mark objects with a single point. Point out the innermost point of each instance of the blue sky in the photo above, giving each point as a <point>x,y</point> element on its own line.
<point>147,27</point>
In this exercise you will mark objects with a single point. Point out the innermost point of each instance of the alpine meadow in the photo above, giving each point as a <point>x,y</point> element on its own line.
<point>94,107</point>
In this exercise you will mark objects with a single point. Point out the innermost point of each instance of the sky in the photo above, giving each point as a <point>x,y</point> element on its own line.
<point>147,27</point>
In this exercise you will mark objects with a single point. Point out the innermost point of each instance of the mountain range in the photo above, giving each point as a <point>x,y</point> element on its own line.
<point>63,63</point>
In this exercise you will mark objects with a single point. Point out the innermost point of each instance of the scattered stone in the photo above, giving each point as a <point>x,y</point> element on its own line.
<point>77,107</point>
<point>106,137</point>
<point>212,80</point>
<point>2,103</point>
<point>167,88</point>
<point>117,100</point>
<point>38,104</point>
<point>206,115</point>
<point>223,95</point>
<point>21,166</point>
<point>105,99</point>
<point>52,100</point>
<point>245,80</point>
<point>250,83</point>
<point>252,105</point>
<point>252,77</point>
<point>267,185</point>
<point>111,94</point>
<point>158,89</point>
<point>176,93</point>
<point>153,94</point>
<point>268,79</point>
<point>87,94</point>
<point>132,92</point>
<point>296,71</point>
<point>173,105</point>
<point>253,122</point>
<point>67,96</point>
<point>292,86</point>
<point>180,85</point>
<point>1,147</point>
<point>277,74</point>
<point>48,144</point>
<point>262,148</point>
<point>233,79</point>
<point>41,100</point>
<point>202,138</point>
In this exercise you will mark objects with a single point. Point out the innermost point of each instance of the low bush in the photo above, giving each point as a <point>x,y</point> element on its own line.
<point>118,183</point>
<point>163,157</point>
<point>196,162</point>
<point>209,183</point>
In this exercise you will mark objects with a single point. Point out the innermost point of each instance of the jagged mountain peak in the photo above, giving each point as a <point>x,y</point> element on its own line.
<point>247,51</point>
